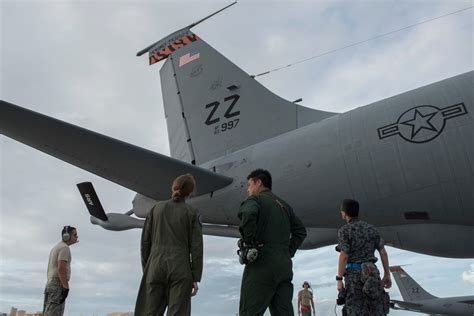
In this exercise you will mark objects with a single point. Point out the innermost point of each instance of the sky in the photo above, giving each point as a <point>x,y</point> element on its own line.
<point>75,61</point>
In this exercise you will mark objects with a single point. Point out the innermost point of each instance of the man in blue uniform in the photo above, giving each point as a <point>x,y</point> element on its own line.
<point>357,242</point>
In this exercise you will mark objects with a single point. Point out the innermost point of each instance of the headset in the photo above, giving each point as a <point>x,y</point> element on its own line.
<point>66,233</point>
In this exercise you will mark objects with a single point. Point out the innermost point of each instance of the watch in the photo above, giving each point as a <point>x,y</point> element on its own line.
<point>338,278</point>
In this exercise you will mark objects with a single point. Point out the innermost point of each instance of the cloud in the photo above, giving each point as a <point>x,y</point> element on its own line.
<point>76,61</point>
<point>468,276</point>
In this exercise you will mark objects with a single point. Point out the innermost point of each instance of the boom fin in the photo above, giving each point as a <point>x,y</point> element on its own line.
<point>114,221</point>
<point>91,200</point>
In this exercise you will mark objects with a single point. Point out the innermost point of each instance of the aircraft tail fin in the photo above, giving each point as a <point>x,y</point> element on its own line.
<point>213,107</point>
<point>410,290</point>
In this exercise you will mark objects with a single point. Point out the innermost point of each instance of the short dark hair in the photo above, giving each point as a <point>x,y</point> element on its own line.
<point>67,229</point>
<point>262,175</point>
<point>350,207</point>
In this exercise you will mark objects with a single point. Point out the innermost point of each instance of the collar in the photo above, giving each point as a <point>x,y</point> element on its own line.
<point>353,220</point>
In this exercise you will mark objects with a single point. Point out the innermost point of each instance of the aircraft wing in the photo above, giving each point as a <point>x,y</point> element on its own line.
<point>133,167</point>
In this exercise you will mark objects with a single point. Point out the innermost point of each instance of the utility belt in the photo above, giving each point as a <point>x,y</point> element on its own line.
<point>248,252</point>
<point>354,266</point>
<point>358,265</point>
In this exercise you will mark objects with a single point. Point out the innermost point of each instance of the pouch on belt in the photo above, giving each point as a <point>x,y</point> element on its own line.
<point>370,277</point>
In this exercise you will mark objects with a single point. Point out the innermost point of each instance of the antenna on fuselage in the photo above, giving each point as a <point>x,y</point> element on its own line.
<point>166,46</point>
<point>359,42</point>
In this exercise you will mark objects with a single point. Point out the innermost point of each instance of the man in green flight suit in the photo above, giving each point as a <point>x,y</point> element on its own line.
<point>268,224</point>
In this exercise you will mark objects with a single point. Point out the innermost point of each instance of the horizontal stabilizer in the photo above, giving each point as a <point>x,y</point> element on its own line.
<point>133,167</point>
<point>405,305</point>
<point>91,200</point>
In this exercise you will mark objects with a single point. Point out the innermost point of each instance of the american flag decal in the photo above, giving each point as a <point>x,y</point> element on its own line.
<point>189,57</point>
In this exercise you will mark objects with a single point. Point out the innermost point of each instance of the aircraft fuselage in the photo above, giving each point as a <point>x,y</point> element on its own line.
<point>407,159</point>
<point>463,305</point>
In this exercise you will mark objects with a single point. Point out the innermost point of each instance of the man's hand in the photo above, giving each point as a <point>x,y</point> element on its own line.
<point>64,294</point>
<point>195,289</point>
<point>340,285</point>
<point>387,281</point>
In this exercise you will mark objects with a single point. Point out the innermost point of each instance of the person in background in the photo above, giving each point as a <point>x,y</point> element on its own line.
<point>305,300</point>
<point>59,273</point>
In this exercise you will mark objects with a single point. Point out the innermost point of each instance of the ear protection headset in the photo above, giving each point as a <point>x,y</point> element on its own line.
<point>66,234</point>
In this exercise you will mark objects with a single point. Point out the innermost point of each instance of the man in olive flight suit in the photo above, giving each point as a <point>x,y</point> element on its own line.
<point>172,255</point>
<point>269,224</point>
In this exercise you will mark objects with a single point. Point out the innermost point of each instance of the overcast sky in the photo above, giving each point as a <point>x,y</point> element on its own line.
<point>75,60</point>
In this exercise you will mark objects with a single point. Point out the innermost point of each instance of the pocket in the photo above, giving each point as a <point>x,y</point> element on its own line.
<point>370,277</point>
<point>369,269</point>
<point>54,294</point>
<point>372,288</point>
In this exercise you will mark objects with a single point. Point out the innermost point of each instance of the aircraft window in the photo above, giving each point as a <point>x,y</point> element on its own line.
<point>417,215</point>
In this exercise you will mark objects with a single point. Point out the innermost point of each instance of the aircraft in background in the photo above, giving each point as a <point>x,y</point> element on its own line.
<point>416,299</point>
<point>408,159</point>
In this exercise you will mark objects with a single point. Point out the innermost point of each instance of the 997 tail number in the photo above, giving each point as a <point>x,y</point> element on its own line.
<point>220,128</point>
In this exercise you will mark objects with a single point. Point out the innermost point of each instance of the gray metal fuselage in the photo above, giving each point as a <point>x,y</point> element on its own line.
<point>408,159</point>
<point>396,181</point>
<point>462,305</point>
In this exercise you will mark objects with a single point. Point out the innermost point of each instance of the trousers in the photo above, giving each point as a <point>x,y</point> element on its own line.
<point>266,283</point>
<point>52,298</point>
<point>358,303</point>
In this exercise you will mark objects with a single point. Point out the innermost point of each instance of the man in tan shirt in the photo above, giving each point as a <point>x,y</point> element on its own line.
<point>305,298</point>
<point>59,273</point>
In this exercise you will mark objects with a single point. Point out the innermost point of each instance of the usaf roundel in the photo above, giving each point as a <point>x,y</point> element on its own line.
<point>423,123</point>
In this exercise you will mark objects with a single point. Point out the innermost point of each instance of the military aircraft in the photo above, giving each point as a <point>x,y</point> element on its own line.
<point>408,159</point>
<point>416,299</point>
